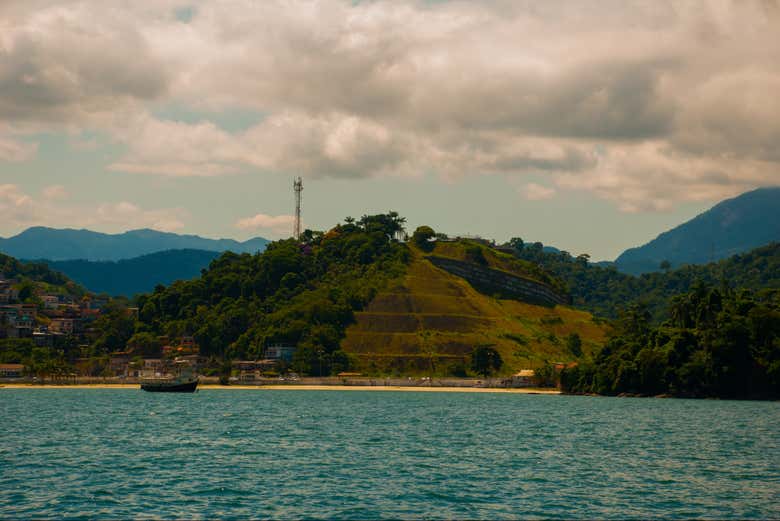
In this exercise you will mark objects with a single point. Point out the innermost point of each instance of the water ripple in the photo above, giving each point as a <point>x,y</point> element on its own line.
<point>124,454</point>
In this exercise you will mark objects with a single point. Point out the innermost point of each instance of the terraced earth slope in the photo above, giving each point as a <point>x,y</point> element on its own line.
<point>430,321</point>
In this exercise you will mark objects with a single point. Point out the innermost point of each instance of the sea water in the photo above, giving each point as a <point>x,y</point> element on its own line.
<point>110,453</point>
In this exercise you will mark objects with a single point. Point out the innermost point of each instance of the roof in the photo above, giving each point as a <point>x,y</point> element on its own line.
<point>11,367</point>
<point>525,373</point>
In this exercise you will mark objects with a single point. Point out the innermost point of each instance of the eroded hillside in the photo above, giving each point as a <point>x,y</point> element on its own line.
<point>430,321</point>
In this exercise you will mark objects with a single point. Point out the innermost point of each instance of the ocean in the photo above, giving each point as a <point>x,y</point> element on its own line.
<point>238,454</point>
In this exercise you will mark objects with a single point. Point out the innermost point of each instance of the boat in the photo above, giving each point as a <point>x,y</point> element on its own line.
<point>170,384</point>
<point>183,382</point>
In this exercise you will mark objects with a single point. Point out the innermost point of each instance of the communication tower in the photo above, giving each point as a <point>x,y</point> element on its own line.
<point>298,187</point>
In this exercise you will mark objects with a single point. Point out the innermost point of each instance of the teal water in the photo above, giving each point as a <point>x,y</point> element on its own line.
<point>348,454</point>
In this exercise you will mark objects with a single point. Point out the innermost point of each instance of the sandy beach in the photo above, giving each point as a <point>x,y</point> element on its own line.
<point>383,388</point>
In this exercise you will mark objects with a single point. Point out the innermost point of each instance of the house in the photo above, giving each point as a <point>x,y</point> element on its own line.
<point>524,378</point>
<point>278,353</point>
<point>153,365</point>
<point>195,361</point>
<point>11,370</point>
<point>44,338</point>
<point>119,363</point>
<point>65,325</point>
<point>50,301</point>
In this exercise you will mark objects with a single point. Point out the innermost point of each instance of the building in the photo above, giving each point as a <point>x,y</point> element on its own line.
<point>11,370</point>
<point>65,325</point>
<point>279,353</point>
<point>524,378</point>
<point>153,365</point>
<point>118,364</point>
<point>50,301</point>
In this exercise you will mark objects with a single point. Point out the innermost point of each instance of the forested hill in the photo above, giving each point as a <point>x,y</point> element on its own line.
<point>717,342</point>
<point>302,293</point>
<point>730,227</point>
<point>307,292</point>
<point>137,275</point>
<point>29,276</point>
<point>605,291</point>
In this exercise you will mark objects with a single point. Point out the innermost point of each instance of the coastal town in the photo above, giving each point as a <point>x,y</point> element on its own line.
<point>59,322</point>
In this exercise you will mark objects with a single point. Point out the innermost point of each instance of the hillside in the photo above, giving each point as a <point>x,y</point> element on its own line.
<point>67,244</point>
<point>129,277</point>
<point>605,291</point>
<point>730,227</point>
<point>429,322</point>
<point>356,298</point>
<point>32,277</point>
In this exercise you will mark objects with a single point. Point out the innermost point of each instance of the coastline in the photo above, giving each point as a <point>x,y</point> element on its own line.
<point>301,387</point>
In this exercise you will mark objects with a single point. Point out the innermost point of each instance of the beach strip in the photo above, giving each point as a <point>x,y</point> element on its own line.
<point>303,387</point>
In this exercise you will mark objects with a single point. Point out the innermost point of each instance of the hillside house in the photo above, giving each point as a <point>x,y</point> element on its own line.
<point>11,370</point>
<point>279,353</point>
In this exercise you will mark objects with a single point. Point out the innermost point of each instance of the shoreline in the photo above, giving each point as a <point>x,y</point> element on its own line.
<point>302,387</point>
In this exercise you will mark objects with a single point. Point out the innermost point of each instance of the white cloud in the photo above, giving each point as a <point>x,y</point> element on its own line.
<point>278,224</point>
<point>20,210</point>
<point>537,192</point>
<point>55,192</point>
<point>644,104</point>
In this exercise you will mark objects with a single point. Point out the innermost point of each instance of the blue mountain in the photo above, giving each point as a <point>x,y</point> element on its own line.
<point>138,275</point>
<point>66,244</point>
<point>730,227</point>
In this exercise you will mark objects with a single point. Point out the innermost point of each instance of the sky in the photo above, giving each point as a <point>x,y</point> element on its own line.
<point>587,125</point>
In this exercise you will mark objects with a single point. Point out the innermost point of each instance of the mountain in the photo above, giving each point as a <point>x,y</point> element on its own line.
<point>138,275</point>
<point>732,226</point>
<point>64,244</point>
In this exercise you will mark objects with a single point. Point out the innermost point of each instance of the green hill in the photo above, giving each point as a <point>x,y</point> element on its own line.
<point>32,277</point>
<point>430,321</point>
<point>356,298</point>
<point>605,291</point>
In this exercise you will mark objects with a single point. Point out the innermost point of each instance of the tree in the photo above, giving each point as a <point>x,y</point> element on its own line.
<point>485,360</point>
<point>665,266</point>
<point>144,344</point>
<point>517,243</point>
<point>574,344</point>
<point>422,237</point>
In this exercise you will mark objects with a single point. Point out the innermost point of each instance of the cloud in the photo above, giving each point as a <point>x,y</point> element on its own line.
<point>643,104</point>
<point>20,210</point>
<point>537,192</point>
<point>279,224</point>
<point>55,192</point>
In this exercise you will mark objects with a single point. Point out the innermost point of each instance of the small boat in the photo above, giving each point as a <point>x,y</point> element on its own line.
<point>182,382</point>
<point>174,384</point>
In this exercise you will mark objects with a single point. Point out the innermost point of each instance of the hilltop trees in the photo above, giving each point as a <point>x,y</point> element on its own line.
<point>422,238</point>
<point>302,293</point>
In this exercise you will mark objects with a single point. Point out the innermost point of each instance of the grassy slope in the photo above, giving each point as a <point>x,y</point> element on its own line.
<point>431,318</point>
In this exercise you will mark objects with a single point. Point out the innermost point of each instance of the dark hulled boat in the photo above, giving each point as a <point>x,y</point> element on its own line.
<point>170,385</point>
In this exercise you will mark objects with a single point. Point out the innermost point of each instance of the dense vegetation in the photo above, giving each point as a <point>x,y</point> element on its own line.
<point>717,342</point>
<point>605,291</point>
<point>302,293</point>
<point>137,275</point>
<point>36,275</point>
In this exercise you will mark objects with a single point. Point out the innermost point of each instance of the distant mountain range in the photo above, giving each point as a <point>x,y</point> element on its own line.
<point>730,227</point>
<point>68,244</point>
<point>138,275</point>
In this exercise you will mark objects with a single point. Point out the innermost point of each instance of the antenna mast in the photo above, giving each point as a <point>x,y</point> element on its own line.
<point>298,187</point>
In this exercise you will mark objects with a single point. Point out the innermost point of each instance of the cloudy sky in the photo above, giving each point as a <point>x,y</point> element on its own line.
<point>592,126</point>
